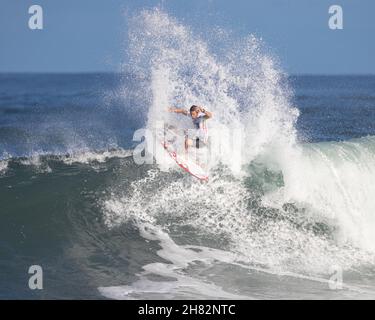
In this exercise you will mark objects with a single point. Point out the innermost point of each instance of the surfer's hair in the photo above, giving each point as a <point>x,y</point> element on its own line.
<point>193,108</point>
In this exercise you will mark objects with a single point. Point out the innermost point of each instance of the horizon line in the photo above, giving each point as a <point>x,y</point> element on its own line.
<point>121,72</point>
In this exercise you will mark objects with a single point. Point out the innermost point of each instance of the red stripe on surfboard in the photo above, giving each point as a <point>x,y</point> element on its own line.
<point>174,157</point>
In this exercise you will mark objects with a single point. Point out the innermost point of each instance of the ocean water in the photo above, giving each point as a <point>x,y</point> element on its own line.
<point>279,221</point>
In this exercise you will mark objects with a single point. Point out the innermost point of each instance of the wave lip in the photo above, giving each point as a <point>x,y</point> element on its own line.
<point>334,180</point>
<point>349,187</point>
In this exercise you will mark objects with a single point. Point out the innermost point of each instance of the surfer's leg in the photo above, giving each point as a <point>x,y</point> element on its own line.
<point>202,151</point>
<point>188,143</point>
<point>197,144</point>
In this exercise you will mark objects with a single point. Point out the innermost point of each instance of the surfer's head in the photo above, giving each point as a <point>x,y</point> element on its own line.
<point>194,111</point>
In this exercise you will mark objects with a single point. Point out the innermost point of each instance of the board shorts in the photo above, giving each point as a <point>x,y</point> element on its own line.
<point>200,140</point>
<point>199,143</point>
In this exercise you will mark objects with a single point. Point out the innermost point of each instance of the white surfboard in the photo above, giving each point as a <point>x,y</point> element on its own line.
<point>166,138</point>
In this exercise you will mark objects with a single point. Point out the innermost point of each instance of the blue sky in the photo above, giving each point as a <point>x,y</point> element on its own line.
<point>90,35</point>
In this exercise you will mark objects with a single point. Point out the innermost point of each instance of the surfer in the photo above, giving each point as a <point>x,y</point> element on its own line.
<point>198,136</point>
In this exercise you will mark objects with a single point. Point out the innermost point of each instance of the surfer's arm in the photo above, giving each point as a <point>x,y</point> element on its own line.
<point>177,110</point>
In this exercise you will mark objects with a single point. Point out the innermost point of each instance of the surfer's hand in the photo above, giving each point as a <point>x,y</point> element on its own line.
<point>207,114</point>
